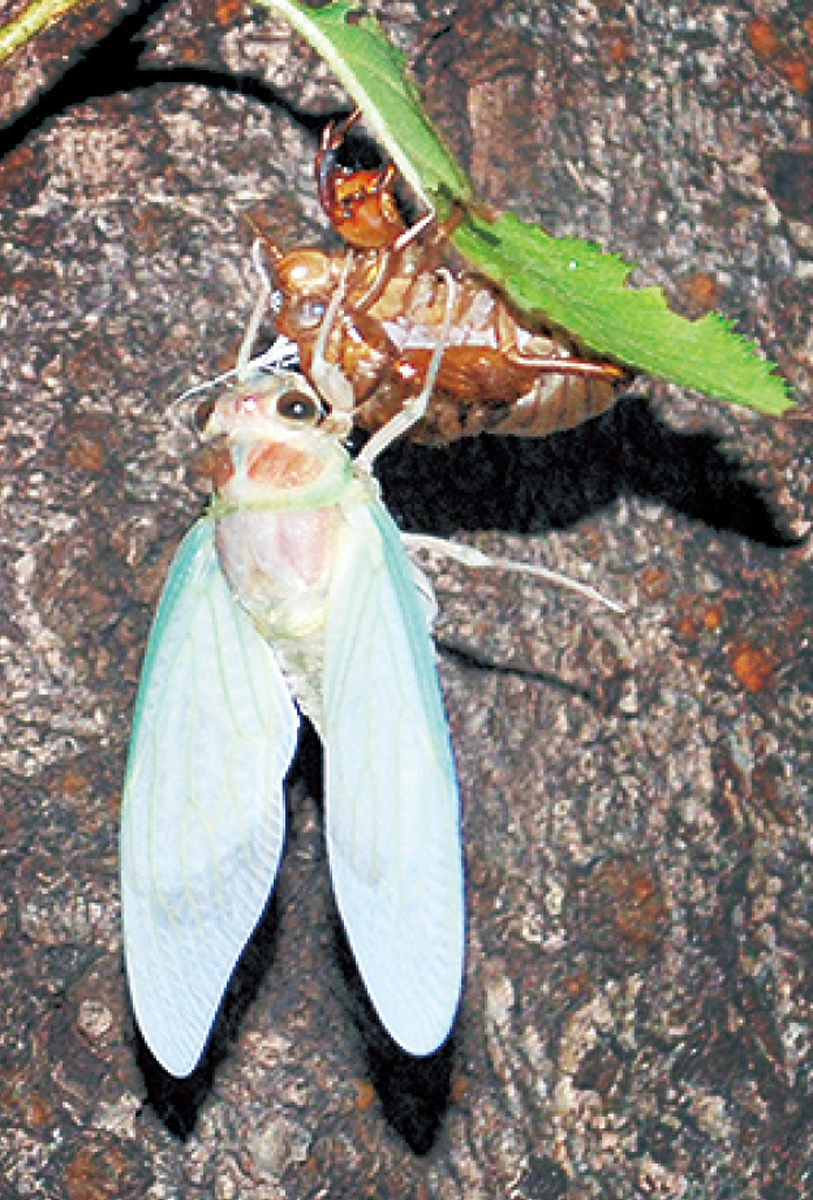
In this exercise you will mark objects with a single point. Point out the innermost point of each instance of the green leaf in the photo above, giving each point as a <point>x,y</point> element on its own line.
<point>374,73</point>
<point>581,289</point>
<point>568,283</point>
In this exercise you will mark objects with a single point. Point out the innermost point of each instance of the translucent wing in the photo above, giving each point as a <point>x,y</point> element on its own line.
<point>392,808</point>
<point>202,822</point>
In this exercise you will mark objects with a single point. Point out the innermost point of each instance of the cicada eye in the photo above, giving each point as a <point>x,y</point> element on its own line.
<point>298,408</point>
<point>308,313</point>
<point>203,414</point>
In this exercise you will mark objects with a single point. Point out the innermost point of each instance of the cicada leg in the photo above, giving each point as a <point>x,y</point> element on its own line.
<point>469,556</point>
<point>388,265</point>
<point>326,165</point>
<point>328,377</point>
<point>265,293</point>
<point>554,365</point>
<point>391,261</point>
<point>414,409</point>
<point>384,271</point>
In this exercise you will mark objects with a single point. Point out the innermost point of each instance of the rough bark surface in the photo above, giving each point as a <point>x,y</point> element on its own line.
<point>638,1011</point>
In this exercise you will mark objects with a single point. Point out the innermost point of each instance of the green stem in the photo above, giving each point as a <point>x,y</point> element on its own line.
<point>31,21</point>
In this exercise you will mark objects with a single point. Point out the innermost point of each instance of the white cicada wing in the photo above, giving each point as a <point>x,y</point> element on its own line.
<point>392,807</point>
<point>203,819</point>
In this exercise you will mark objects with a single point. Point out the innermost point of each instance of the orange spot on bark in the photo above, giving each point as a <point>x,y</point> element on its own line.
<point>763,39</point>
<point>577,985</point>
<point>39,1114</point>
<point>627,904</point>
<point>94,1175</point>
<point>702,290</point>
<point>615,44</point>
<point>28,1106</point>
<point>751,666</point>
<point>713,616</point>
<point>74,783</point>
<point>227,10</point>
<point>686,628</point>
<point>365,1095</point>
<point>655,583</point>
<point>794,70</point>
<point>85,455</point>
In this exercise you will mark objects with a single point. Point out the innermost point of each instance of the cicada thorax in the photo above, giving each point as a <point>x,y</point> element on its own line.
<point>281,479</point>
<point>307,280</point>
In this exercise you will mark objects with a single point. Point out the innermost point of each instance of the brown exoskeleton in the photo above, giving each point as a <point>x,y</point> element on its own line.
<point>366,320</point>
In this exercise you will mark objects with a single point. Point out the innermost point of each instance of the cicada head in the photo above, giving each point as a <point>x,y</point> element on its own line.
<point>306,279</point>
<point>275,444</point>
<point>360,205</point>
<point>362,209</point>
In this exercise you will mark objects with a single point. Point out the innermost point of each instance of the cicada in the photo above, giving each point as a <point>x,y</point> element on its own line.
<point>366,318</point>
<point>293,593</point>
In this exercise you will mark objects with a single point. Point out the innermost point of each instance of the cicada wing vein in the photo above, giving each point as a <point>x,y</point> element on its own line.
<point>203,818</point>
<point>392,806</point>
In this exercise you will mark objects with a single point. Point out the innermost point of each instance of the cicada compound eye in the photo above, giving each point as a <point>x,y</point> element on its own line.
<point>299,408</point>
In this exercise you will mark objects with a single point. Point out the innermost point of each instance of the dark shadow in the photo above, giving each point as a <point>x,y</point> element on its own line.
<point>528,486</point>
<point>414,1092</point>
<point>176,1102</point>
<point>307,766</point>
<point>111,67</point>
<point>472,659</point>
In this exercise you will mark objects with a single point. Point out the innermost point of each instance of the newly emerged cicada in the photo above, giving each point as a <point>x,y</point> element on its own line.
<point>294,589</point>
<point>365,320</point>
